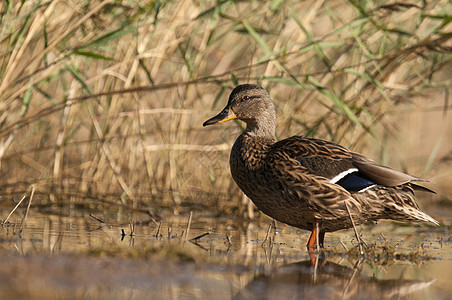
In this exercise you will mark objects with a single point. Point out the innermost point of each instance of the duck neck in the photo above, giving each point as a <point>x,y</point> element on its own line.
<point>263,128</point>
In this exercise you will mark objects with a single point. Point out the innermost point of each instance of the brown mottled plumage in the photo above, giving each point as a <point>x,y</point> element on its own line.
<point>310,183</point>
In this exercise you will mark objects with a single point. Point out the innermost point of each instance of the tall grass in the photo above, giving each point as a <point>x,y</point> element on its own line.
<point>103,101</point>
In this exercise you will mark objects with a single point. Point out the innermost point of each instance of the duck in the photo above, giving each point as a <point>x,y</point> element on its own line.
<point>310,183</point>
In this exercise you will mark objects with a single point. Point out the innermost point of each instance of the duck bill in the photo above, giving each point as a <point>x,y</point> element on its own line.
<point>225,115</point>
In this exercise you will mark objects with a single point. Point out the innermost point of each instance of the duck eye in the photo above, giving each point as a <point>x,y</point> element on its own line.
<point>246,98</point>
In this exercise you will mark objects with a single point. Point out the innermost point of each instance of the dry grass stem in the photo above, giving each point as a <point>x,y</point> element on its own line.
<point>358,238</point>
<point>188,226</point>
<point>24,219</point>
<point>14,209</point>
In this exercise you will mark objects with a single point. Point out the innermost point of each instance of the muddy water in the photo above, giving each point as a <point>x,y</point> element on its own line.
<point>73,255</point>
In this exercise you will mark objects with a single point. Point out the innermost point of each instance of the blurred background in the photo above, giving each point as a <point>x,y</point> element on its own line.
<point>102,102</point>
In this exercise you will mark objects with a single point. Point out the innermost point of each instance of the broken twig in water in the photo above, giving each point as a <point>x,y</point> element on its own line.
<point>169,232</point>
<point>358,238</point>
<point>157,235</point>
<point>343,245</point>
<point>228,237</point>
<point>14,209</point>
<point>132,228</point>
<point>97,219</point>
<point>24,219</point>
<point>272,224</point>
<point>188,225</point>
<point>195,239</point>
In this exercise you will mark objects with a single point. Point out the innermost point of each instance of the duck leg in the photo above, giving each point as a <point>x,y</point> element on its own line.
<point>321,238</point>
<point>316,238</point>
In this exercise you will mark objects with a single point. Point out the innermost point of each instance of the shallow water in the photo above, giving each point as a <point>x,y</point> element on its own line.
<point>76,256</point>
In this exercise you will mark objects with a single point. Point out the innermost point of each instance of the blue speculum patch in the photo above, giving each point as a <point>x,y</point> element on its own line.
<point>355,182</point>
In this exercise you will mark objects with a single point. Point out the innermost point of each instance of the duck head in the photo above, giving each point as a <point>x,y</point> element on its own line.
<point>251,104</point>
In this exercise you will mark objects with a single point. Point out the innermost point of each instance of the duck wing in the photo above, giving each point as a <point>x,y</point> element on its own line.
<point>352,171</point>
<point>319,157</point>
<point>383,175</point>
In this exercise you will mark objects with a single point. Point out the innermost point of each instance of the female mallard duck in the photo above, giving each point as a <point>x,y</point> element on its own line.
<point>310,183</point>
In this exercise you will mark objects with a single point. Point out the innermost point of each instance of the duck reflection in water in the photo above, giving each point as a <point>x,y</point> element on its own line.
<point>327,280</point>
